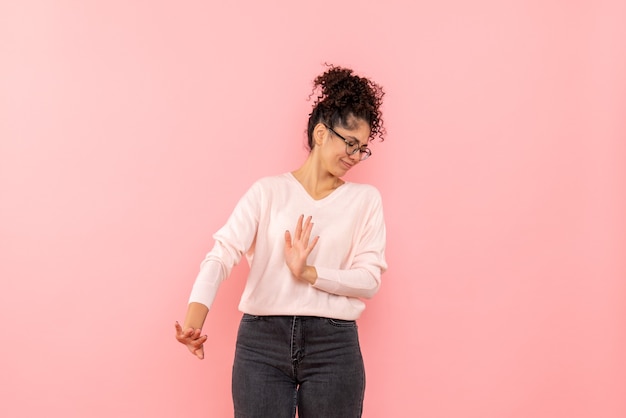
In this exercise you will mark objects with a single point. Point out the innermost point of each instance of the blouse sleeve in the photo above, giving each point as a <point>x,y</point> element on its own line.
<point>363,278</point>
<point>232,241</point>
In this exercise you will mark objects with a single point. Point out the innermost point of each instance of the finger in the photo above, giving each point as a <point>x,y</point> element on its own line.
<point>180,336</point>
<point>307,222</point>
<point>197,346</point>
<point>299,227</point>
<point>307,232</point>
<point>288,243</point>
<point>199,342</point>
<point>313,243</point>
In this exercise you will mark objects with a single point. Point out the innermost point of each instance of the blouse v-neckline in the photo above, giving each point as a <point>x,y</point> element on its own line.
<point>324,199</point>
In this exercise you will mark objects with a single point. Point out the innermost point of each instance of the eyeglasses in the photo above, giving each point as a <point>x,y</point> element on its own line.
<point>352,147</point>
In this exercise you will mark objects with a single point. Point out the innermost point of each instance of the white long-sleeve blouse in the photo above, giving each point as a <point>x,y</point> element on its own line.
<point>349,256</point>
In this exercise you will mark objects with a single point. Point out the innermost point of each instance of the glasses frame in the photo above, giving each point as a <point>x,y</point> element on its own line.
<point>365,153</point>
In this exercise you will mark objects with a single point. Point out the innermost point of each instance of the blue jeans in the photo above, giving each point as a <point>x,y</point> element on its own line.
<point>288,362</point>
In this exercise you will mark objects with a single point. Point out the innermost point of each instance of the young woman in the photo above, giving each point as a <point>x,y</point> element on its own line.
<point>316,247</point>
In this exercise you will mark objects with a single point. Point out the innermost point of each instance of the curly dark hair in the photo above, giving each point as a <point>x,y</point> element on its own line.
<point>341,95</point>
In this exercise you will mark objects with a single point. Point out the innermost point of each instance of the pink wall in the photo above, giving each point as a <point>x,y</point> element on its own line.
<point>128,130</point>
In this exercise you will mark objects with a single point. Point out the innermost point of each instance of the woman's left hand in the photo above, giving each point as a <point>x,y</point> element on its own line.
<point>298,248</point>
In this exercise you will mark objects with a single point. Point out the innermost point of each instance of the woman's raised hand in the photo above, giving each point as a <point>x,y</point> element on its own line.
<point>192,339</point>
<point>298,248</point>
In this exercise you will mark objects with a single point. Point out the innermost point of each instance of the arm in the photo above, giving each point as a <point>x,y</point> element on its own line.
<point>231,241</point>
<point>355,282</point>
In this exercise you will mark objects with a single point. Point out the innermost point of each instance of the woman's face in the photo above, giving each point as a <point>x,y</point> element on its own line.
<point>337,140</point>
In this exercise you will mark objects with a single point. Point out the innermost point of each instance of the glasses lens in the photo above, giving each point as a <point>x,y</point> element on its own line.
<point>365,154</point>
<point>352,149</point>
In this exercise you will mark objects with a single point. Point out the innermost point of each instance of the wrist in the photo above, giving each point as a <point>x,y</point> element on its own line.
<point>309,274</point>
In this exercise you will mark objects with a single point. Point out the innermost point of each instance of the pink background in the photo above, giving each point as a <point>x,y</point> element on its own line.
<point>130,129</point>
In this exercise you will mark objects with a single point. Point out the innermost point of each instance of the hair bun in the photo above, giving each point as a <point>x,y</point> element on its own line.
<point>341,94</point>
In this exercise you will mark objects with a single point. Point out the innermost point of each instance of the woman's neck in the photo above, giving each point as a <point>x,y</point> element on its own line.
<point>318,182</point>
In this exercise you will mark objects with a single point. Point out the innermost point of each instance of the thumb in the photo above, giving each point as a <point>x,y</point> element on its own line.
<point>199,352</point>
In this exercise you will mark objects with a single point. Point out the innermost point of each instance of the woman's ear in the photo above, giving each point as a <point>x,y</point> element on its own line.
<point>319,133</point>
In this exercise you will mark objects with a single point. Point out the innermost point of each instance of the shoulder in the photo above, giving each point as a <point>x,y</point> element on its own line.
<point>363,190</point>
<point>272,183</point>
<point>364,196</point>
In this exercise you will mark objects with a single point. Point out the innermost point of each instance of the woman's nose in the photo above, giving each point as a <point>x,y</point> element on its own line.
<point>356,157</point>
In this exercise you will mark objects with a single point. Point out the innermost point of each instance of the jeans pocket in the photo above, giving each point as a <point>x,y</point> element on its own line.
<point>342,323</point>
<point>250,318</point>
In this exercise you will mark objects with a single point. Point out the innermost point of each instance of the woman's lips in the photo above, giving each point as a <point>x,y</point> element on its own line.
<point>348,165</point>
